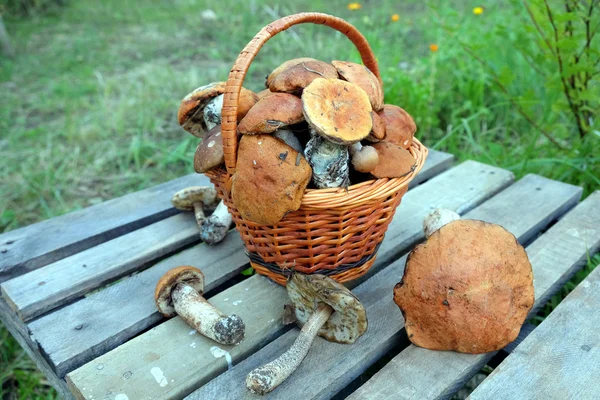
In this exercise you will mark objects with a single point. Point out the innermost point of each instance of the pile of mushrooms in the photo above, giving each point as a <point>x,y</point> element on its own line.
<point>317,125</point>
<point>468,288</point>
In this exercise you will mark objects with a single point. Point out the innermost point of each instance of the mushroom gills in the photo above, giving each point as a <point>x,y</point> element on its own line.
<point>212,112</point>
<point>329,162</point>
<point>206,319</point>
<point>264,379</point>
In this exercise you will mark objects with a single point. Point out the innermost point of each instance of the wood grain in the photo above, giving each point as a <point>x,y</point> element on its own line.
<point>164,346</point>
<point>418,373</point>
<point>330,367</point>
<point>36,245</point>
<point>103,323</point>
<point>559,359</point>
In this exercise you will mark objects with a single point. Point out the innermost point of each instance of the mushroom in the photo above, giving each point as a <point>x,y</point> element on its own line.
<point>329,163</point>
<point>337,110</point>
<point>179,292</point>
<point>195,198</point>
<point>209,153</point>
<point>215,228</point>
<point>294,75</point>
<point>377,134</point>
<point>263,93</point>
<point>269,180</point>
<point>271,113</point>
<point>399,125</point>
<point>288,137</point>
<point>324,307</point>
<point>191,110</point>
<point>394,161</point>
<point>438,218</point>
<point>364,78</point>
<point>468,288</point>
<point>364,158</point>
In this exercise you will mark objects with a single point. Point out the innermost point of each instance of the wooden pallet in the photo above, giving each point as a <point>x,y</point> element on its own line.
<point>77,292</point>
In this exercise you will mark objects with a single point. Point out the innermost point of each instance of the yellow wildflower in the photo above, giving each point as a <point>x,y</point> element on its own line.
<point>354,6</point>
<point>395,17</point>
<point>433,47</point>
<point>478,10</point>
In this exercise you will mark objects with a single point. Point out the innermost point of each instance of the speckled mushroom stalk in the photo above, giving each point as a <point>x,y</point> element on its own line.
<point>179,292</point>
<point>438,218</point>
<point>264,379</point>
<point>329,162</point>
<point>215,228</point>
<point>324,307</point>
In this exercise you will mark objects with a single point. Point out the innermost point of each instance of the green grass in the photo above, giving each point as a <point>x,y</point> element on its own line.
<point>87,107</point>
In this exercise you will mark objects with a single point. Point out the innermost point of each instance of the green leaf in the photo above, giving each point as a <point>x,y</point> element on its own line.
<point>248,271</point>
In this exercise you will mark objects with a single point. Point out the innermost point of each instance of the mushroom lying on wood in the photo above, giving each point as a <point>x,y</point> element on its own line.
<point>179,292</point>
<point>399,126</point>
<point>324,307</point>
<point>195,198</point>
<point>337,110</point>
<point>191,110</point>
<point>468,288</point>
<point>271,113</point>
<point>215,228</point>
<point>294,75</point>
<point>438,218</point>
<point>364,78</point>
<point>329,163</point>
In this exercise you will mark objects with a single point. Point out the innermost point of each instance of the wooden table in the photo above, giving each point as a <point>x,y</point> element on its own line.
<point>77,293</point>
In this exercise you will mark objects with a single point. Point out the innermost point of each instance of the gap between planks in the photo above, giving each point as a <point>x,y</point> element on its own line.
<point>418,373</point>
<point>97,323</point>
<point>48,241</point>
<point>330,367</point>
<point>168,345</point>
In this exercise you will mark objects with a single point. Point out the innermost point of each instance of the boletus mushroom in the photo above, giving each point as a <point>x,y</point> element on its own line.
<point>191,110</point>
<point>271,113</point>
<point>364,78</point>
<point>215,228</point>
<point>329,163</point>
<point>269,180</point>
<point>399,125</point>
<point>179,292</point>
<point>209,153</point>
<point>323,307</point>
<point>468,288</point>
<point>394,161</point>
<point>195,198</point>
<point>294,75</point>
<point>377,133</point>
<point>337,110</point>
<point>364,158</point>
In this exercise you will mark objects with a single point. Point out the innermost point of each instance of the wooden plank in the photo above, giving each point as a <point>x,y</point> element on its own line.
<point>46,288</point>
<point>166,345</point>
<point>559,359</point>
<point>330,367</point>
<point>436,163</point>
<point>104,324</point>
<point>418,373</point>
<point>14,326</point>
<point>31,247</point>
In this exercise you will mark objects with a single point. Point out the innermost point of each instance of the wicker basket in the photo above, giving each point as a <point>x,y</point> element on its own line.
<point>335,232</point>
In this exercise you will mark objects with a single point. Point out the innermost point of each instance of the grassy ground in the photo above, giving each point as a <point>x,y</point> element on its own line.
<point>88,104</point>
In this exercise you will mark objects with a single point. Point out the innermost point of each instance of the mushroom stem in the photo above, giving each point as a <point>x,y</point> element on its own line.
<point>215,228</point>
<point>199,213</point>
<point>438,218</point>
<point>206,319</point>
<point>264,379</point>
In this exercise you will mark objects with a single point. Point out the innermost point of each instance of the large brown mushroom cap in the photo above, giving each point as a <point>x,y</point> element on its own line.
<point>394,161</point>
<point>377,134</point>
<point>209,153</point>
<point>349,320</point>
<point>271,113</point>
<point>337,110</point>
<point>185,274</point>
<point>364,78</point>
<point>269,180</point>
<point>468,288</point>
<point>294,75</point>
<point>399,125</point>
<point>191,110</point>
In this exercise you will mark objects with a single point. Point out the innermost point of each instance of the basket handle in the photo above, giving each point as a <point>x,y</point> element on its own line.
<point>240,68</point>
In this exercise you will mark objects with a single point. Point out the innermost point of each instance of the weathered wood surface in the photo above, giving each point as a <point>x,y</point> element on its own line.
<point>103,323</point>
<point>36,245</point>
<point>166,345</point>
<point>436,163</point>
<point>560,359</point>
<point>330,367</point>
<point>418,373</point>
